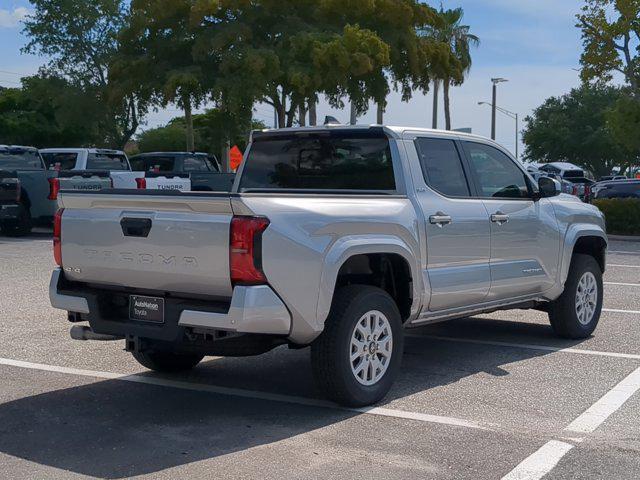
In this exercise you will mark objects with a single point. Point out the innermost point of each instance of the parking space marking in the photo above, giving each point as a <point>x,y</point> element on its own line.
<point>623,284</point>
<point>544,460</point>
<point>235,392</point>
<point>611,402</point>
<point>615,310</point>
<point>622,266</point>
<point>541,462</point>
<point>545,348</point>
<point>620,252</point>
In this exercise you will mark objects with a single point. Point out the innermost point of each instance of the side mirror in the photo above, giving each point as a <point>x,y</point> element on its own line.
<point>549,187</point>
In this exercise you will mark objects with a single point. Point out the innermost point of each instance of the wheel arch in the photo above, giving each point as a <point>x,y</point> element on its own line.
<point>349,255</point>
<point>586,239</point>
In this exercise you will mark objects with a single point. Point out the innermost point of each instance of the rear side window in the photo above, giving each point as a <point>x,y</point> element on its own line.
<point>331,160</point>
<point>442,166</point>
<point>195,164</point>
<point>152,164</point>
<point>498,176</point>
<point>60,161</point>
<point>107,161</point>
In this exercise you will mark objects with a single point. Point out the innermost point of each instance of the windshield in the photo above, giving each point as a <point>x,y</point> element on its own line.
<point>333,160</point>
<point>20,159</point>
<point>107,161</point>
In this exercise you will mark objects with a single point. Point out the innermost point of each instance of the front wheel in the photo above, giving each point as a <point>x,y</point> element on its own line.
<point>576,313</point>
<point>357,358</point>
<point>167,362</point>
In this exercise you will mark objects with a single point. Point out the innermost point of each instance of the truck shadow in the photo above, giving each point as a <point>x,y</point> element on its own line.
<point>114,429</point>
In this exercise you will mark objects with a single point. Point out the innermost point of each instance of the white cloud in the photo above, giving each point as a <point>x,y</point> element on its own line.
<point>12,18</point>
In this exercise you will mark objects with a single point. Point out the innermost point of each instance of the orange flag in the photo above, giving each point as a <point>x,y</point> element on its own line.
<point>235,158</point>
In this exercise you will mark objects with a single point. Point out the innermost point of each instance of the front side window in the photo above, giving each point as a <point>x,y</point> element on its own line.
<point>334,160</point>
<point>60,161</point>
<point>498,176</point>
<point>107,162</point>
<point>442,166</point>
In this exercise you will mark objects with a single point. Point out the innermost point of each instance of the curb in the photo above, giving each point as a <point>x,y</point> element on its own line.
<point>624,238</point>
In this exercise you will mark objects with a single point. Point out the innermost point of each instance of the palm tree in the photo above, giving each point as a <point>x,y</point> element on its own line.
<point>452,33</point>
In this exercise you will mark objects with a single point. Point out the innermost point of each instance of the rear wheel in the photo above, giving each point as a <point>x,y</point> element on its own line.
<point>167,362</point>
<point>577,312</point>
<point>357,358</point>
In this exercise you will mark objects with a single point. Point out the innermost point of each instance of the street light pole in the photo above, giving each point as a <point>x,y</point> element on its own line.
<point>509,114</point>
<point>495,82</point>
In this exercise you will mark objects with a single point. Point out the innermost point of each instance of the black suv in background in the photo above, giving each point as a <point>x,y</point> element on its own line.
<point>617,189</point>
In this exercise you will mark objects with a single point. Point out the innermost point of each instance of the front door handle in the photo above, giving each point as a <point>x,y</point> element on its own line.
<point>500,218</point>
<point>440,219</point>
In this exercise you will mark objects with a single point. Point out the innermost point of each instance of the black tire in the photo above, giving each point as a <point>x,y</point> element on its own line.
<point>167,362</point>
<point>562,312</point>
<point>19,227</point>
<point>331,351</point>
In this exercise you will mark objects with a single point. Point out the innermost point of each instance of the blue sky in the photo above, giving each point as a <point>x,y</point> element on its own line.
<point>533,43</point>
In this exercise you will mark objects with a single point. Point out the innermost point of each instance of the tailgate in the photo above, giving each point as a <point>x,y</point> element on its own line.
<point>76,180</point>
<point>175,243</point>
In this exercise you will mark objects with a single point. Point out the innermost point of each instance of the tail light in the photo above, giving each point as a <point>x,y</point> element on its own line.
<point>54,188</point>
<point>245,250</point>
<point>57,237</point>
<point>18,191</point>
<point>575,191</point>
<point>141,183</point>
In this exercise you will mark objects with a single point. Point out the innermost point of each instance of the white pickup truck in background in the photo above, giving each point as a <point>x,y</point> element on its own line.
<point>103,168</point>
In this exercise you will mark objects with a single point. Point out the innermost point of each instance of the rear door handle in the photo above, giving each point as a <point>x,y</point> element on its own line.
<point>500,218</point>
<point>440,219</point>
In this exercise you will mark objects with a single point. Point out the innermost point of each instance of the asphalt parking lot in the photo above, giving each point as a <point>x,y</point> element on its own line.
<point>482,398</point>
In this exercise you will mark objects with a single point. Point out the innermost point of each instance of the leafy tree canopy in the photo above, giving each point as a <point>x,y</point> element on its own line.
<point>80,37</point>
<point>211,129</point>
<point>44,113</point>
<point>574,128</point>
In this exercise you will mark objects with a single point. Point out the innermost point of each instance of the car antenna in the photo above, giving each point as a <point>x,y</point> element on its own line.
<point>329,120</point>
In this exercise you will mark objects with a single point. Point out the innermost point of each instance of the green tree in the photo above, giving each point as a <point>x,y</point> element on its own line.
<point>157,45</point>
<point>211,131</point>
<point>574,128</point>
<point>80,37</point>
<point>610,32</point>
<point>459,40</point>
<point>44,113</point>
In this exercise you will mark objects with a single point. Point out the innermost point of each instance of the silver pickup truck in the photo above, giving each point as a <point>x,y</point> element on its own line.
<point>338,238</point>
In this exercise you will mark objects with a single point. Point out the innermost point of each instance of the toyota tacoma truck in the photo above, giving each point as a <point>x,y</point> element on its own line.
<point>334,238</point>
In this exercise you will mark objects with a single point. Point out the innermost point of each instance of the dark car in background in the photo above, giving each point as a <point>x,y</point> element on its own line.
<point>617,189</point>
<point>24,190</point>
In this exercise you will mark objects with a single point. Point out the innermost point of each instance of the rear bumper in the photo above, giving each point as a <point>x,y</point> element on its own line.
<point>255,310</point>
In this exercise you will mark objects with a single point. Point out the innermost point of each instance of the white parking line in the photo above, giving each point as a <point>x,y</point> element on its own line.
<point>544,460</point>
<point>545,348</point>
<point>540,463</point>
<point>622,266</point>
<point>620,252</point>
<point>274,397</point>
<point>598,413</point>
<point>622,284</point>
<point>614,310</point>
